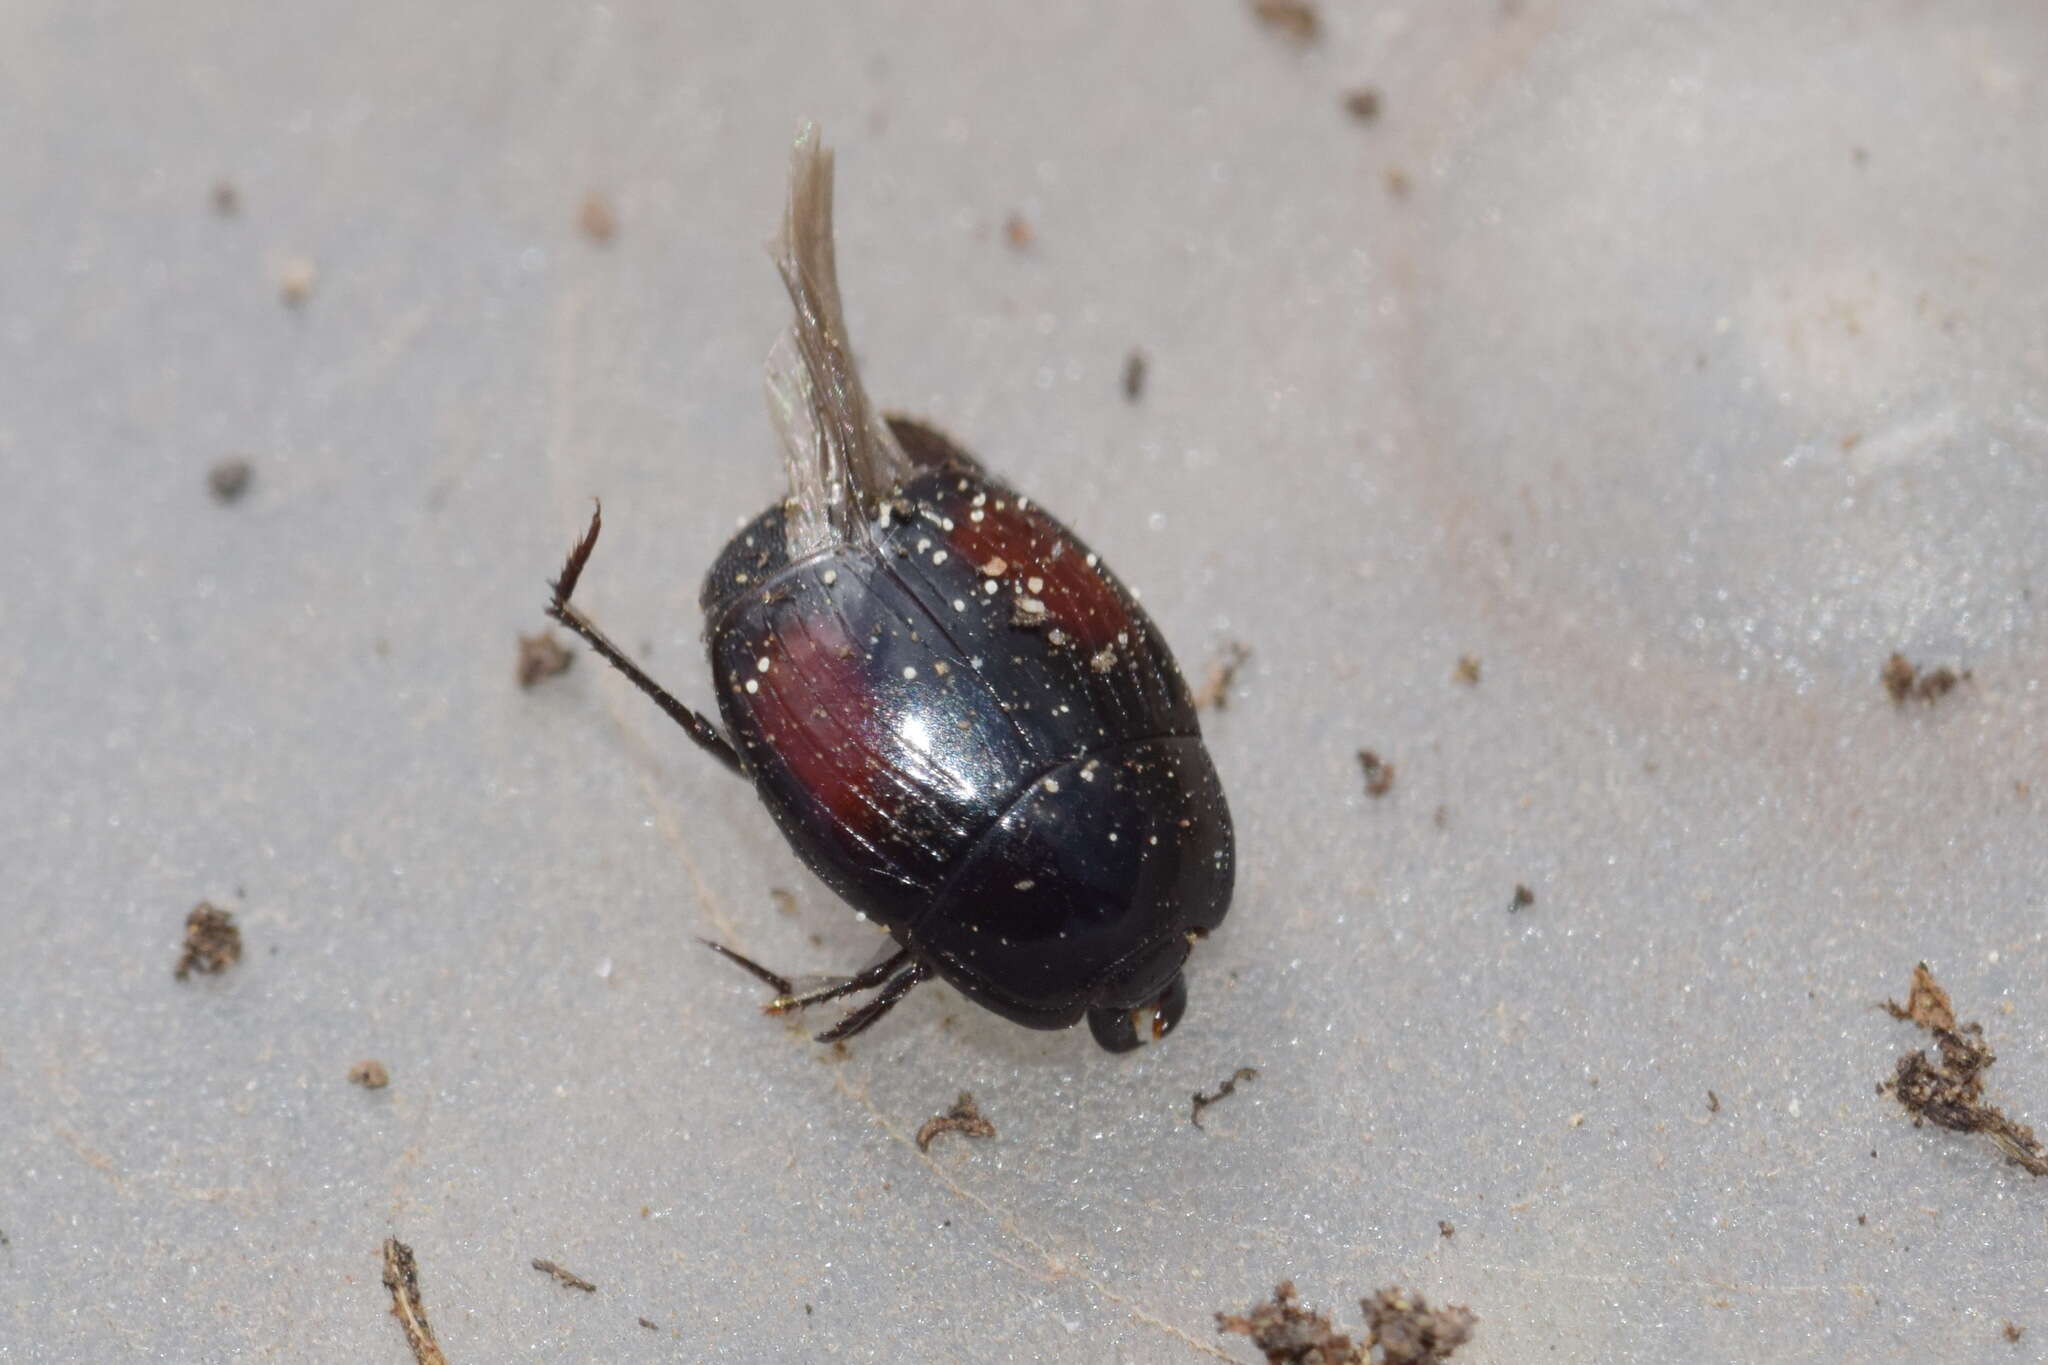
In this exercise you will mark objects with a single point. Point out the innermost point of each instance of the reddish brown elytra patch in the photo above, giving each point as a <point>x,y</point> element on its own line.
<point>810,704</point>
<point>1024,544</point>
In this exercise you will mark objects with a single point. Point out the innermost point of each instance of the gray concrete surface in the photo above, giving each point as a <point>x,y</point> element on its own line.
<point>1677,360</point>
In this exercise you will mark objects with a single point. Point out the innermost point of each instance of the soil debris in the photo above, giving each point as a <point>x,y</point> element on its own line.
<point>1905,681</point>
<point>229,478</point>
<point>212,942</point>
<point>541,656</point>
<point>1295,20</point>
<point>227,200</point>
<point>1214,693</point>
<point>1409,1332</point>
<point>597,220</point>
<point>1379,774</point>
<point>295,282</point>
<point>1398,183</point>
<point>963,1118</point>
<point>784,898</point>
<point>1949,1093</point>
<point>370,1074</point>
<point>1018,232</point>
<point>1524,898</point>
<point>1362,104</point>
<point>1467,671</point>
<point>1135,367</point>
<point>1713,1103</point>
<point>1289,1334</point>
<point>1444,1229</point>
<point>1223,1092</point>
<point>402,1278</point>
<point>567,1277</point>
<point>652,1327</point>
<point>2013,1331</point>
<point>1927,1004</point>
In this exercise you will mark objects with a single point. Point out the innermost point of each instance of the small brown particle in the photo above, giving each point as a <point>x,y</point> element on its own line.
<point>1927,1004</point>
<point>402,1278</point>
<point>541,656</point>
<point>1362,104</point>
<point>1135,367</point>
<point>1215,690</point>
<point>229,478</point>
<point>1017,232</point>
<point>295,282</point>
<point>212,942</point>
<point>784,898</point>
<point>1295,20</point>
<point>1379,774</point>
<point>1903,680</point>
<point>963,1118</point>
<point>1444,1229</point>
<point>568,1278</point>
<point>370,1074</point>
<point>1409,1332</point>
<point>1524,898</point>
<point>1467,671</point>
<point>648,1325</point>
<point>597,220</point>
<point>1289,1334</point>
<point>1713,1103</point>
<point>227,200</point>
<point>2013,1331</point>
<point>1223,1091</point>
<point>1398,183</point>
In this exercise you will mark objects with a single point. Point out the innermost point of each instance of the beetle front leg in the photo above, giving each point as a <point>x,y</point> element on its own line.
<point>707,735</point>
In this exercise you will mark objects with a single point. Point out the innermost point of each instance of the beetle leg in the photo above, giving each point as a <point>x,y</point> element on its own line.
<point>781,984</point>
<point>899,986</point>
<point>787,997</point>
<point>708,736</point>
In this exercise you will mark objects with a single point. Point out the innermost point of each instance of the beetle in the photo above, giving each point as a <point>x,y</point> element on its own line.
<point>962,722</point>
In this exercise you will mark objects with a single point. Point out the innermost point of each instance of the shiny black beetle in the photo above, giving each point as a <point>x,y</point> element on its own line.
<point>962,722</point>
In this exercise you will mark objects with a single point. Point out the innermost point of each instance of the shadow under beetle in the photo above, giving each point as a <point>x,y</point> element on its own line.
<point>962,722</point>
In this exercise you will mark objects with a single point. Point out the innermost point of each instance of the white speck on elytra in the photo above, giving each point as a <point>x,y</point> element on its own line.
<point>939,558</point>
<point>1112,838</point>
<point>829,577</point>
<point>1092,560</point>
<point>924,543</point>
<point>975,515</point>
<point>981,499</point>
<point>761,664</point>
<point>1026,884</point>
<point>989,588</point>
<point>1051,785</point>
<point>753,686</point>
<point>909,672</point>
<point>959,605</point>
<point>1035,584</point>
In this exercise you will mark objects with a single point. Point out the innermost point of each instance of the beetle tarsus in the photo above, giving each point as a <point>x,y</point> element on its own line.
<point>707,735</point>
<point>787,997</point>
